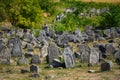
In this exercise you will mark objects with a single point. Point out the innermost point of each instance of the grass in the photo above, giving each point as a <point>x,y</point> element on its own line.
<point>77,73</point>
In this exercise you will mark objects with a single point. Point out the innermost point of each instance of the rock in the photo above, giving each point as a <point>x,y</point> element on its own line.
<point>91,71</point>
<point>56,63</point>
<point>53,52</point>
<point>105,67</point>
<point>24,71</point>
<point>34,68</point>
<point>16,50</point>
<point>35,59</point>
<point>69,61</point>
<point>22,61</point>
<point>94,56</point>
<point>5,55</point>
<point>49,77</point>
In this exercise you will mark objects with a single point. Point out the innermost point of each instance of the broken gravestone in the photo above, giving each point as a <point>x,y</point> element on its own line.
<point>16,50</point>
<point>69,61</point>
<point>53,52</point>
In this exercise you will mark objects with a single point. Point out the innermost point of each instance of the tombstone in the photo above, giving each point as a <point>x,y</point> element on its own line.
<point>34,68</point>
<point>53,52</point>
<point>105,67</point>
<point>30,47</point>
<point>69,61</point>
<point>24,44</point>
<point>42,36</point>
<point>44,48</point>
<point>28,37</point>
<point>16,50</point>
<point>62,40</point>
<point>77,36</point>
<point>94,56</point>
<point>4,54</point>
<point>22,61</point>
<point>35,59</point>
<point>19,33</point>
<point>52,33</point>
<point>85,52</point>
<point>113,32</point>
<point>107,33</point>
<point>110,49</point>
<point>117,57</point>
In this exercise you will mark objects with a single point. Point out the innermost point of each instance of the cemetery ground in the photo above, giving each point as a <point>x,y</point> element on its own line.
<point>12,72</point>
<point>79,72</point>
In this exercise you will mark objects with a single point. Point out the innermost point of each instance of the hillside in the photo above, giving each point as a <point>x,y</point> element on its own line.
<point>59,40</point>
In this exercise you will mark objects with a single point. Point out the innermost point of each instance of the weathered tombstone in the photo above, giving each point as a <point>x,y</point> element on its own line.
<point>4,54</point>
<point>29,37</point>
<point>113,32</point>
<point>107,33</point>
<point>62,40</point>
<point>44,50</point>
<point>22,61</point>
<point>85,52</point>
<point>117,56</point>
<point>77,37</point>
<point>42,36</point>
<point>35,59</point>
<point>105,67</point>
<point>69,61</point>
<point>94,56</point>
<point>110,49</point>
<point>30,47</point>
<point>16,50</point>
<point>53,52</point>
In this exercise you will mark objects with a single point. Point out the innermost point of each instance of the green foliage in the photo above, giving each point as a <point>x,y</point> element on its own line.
<point>29,14</point>
<point>36,32</point>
